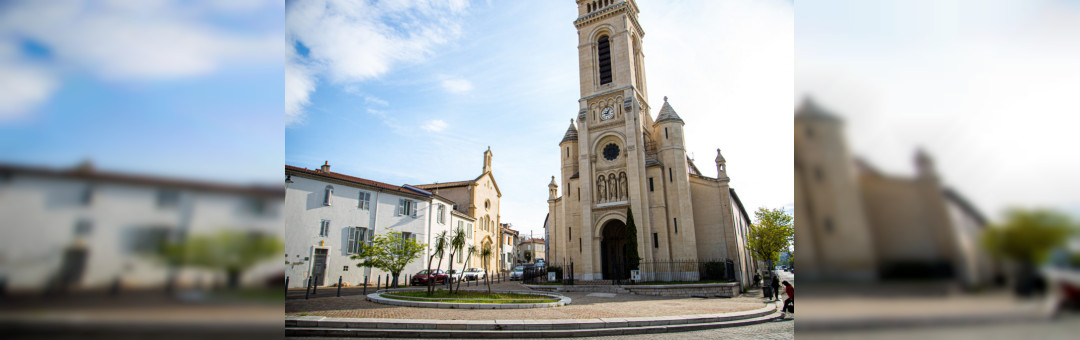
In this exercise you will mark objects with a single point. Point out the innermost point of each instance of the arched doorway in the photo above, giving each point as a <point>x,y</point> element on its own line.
<point>613,250</point>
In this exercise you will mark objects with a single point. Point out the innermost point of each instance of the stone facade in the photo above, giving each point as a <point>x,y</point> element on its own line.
<point>615,156</point>
<point>854,222</point>
<point>477,198</point>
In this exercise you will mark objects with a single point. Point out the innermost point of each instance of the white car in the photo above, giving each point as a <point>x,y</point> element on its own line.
<point>474,274</point>
<point>517,273</point>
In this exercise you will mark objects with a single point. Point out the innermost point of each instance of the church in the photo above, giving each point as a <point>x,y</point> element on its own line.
<point>616,156</point>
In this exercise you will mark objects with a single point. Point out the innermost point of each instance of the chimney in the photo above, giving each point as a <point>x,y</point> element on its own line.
<point>325,168</point>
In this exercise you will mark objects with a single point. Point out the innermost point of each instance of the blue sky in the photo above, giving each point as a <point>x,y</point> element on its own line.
<point>415,92</point>
<point>188,89</point>
<point>987,90</point>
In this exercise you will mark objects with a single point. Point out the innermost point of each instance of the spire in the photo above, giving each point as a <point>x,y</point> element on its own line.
<point>553,189</point>
<point>487,160</point>
<point>667,113</point>
<point>721,166</point>
<point>719,157</point>
<point>571,133</point>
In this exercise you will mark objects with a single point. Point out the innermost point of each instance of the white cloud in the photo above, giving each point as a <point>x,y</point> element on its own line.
<point>298,87</point>
<point>352,41</point>
<point>435,125</point>
<point>23,88</point>
<point>125,41</point>
<point>457,85</point>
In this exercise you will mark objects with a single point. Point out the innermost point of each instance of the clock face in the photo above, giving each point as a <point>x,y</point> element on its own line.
<point>608,113</point>
<point>611,152</point>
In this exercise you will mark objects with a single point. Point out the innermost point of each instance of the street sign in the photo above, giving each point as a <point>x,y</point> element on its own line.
<point>551,276</point>
<point>635,275</point>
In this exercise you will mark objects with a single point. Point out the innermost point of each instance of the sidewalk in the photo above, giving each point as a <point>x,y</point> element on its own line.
<point>840,313</point>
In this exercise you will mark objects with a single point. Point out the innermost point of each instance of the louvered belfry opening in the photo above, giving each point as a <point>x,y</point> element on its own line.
<point>603,49</point>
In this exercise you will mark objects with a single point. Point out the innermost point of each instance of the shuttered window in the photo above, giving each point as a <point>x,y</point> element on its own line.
<point>324,228</point>
<point>603,51</point>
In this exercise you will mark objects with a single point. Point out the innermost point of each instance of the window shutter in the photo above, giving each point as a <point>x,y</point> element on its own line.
<point>413,208</point>
<point>400,207</point>
<point>351,243</point>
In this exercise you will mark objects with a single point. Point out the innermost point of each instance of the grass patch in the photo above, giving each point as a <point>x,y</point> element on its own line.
<point>470,297</point>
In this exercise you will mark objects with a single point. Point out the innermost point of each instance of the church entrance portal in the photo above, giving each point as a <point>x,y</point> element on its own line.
<point>613,250</point>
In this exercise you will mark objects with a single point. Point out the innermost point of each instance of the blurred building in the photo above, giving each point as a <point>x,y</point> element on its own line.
<point>854,222</point>
<point>507,241</point>
<point>82,228</point>
<point>330,217</point>
<point>616,156</point>
<point>533,245</point>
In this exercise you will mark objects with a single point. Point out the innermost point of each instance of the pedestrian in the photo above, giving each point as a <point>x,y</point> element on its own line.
<point>789,303</point>
<point>757,279</point>
<point>775,284</point>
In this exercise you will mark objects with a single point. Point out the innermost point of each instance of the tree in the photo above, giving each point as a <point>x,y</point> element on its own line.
<point>389,252</point>
<point>230,251</point>
<point>470,252</point>
<point>1027,237</point>
<point>633,260</point>
<point>437,250</point>
<point>528,256</point>
<point>485,254</point>
<point>772,233</point>
<point>457,244</point>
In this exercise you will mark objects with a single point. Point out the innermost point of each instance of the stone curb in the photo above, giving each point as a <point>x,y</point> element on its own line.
<point>371,327</point>
<point>377,298</point>
<point>469,332</point>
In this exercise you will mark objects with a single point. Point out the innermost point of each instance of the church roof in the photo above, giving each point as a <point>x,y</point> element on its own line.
<point>810,110</point>
<point>667,113</point>
<point>571,133</point>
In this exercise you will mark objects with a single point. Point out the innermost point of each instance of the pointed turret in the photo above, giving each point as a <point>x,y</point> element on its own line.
<point>571,133</point>
<point>553,189</point>
<point>667,113</point>
<point>721,167</point>
<point>487,160</point>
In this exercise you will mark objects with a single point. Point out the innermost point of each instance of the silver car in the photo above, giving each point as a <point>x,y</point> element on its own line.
<point>517,273</point>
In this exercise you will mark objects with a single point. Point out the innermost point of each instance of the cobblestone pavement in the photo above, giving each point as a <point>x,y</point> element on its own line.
<point>784,329</point>
<point>1064,328</point>
<point>582,307</point>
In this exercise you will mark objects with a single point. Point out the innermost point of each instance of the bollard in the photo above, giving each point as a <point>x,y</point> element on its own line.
<point>365,285</point>
<point>286,284</point>
<point>387,280</point>
<point>339,286</point>
<point>378,282</point>
<point>314,287</point>
<point>115,289</point>
<point>307,288</point>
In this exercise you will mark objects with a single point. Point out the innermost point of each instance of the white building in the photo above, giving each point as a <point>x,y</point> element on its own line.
<point>330,216</point>
<point>87,229</point>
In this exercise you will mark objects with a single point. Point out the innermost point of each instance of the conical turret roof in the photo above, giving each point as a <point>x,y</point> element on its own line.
<point>667,113</point>
<point>571,133</point>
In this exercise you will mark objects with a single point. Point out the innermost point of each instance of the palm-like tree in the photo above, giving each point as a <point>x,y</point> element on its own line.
<point>439,249</point>
<point>485,255</point>
<point>457,243</point>
<point>469,252</point>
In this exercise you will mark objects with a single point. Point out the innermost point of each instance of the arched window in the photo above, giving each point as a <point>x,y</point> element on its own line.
<point>603,52</point>
<point>329,195</point>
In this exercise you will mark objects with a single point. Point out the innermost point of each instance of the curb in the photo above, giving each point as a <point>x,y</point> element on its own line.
<point>378,298</point>
<point>398,328</point>
<point>907,323</point>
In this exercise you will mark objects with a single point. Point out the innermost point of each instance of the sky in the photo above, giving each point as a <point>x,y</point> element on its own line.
<point>186,89</point>
<point>989,91</point>
<point>414,92</point>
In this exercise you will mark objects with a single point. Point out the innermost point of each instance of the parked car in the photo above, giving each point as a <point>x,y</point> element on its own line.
<point>474,274</point>
<point>517,273</point>
<point>422,277</point>
<point>455,275</point>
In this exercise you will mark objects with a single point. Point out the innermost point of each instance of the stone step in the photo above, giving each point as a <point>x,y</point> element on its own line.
<point>586,329</point>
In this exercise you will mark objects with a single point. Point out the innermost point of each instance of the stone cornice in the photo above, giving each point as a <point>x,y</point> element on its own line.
<point>608,12</point>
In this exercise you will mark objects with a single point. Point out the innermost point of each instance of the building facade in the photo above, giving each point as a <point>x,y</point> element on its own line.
<point>534,246</point>
<point>87,229</point>
<point>508,247</point>
<point>477,198</point>
<point>616,158</point>
<point>854,222</point>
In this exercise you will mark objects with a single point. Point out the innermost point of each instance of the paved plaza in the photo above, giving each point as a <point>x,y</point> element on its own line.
<point>584,306</point>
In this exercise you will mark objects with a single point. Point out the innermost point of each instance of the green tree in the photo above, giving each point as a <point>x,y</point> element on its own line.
<point>633,260</point>
<point>230,251</point>
<point>1027,237</point>
<point>438,249</point>
<point>389,252</point>
<point>469,252</point>
<point>772,233</point>
<point>528,256</point>
<point>457,245</point>
<point>485,254</point>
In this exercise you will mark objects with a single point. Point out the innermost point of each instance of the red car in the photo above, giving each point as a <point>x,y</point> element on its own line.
<point>423,276</point>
